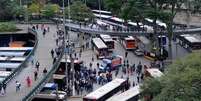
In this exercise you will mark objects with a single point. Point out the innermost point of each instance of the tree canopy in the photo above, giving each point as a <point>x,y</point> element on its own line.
<point>181,82</point>
<point>50,10</point>
<point>80,12</point>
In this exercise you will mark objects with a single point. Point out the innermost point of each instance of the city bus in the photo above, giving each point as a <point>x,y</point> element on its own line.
<point>153,72</point>
<point>107,39</point>
<point>189,42</point>
<point>108,13</point>
<point>132,94</point>
<point>100,48</point>
<point>12,54</point>
<point>130,43</point>
<point>106,91</point>
<point>15,49</point>
<point>9,66</point>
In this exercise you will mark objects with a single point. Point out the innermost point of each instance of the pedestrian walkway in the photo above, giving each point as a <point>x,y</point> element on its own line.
<point>88,29</point>
<point>42,54</point>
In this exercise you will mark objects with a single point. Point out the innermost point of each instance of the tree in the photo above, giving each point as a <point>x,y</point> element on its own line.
<point>132,10</point>
<point>7,8</point>
<point>114,6</point>
<point>50,10</point>
<point>80,12</point>
<point>181,82</point>
<point>34,8</point>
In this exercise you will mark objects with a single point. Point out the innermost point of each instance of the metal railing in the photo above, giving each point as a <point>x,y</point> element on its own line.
<point>45,79</point>
<point>22,65</point>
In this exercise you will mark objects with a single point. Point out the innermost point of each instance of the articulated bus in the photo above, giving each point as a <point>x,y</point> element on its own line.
<point>132,94</point>
<point>130,43</point>
<point>107,39</point>
<point>100,48</point>
<point>106,91</point>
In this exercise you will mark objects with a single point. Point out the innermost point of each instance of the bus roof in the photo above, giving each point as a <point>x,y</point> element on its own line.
<point>105,89</point>
<point>108,12</point>
<point>103,16</point>
<point>106,38</point>
<point>9,65</point>
<point>99,43</point>
<point>117,19</point>
<point>126,95</point>
<point>129,38</point>
<point>58,76</point>
<point>4,73</point>
<point>192,39</point>
<point>15,48</point>
<point>8,53</point>
<point>18,59</point>
<point>154,72</point>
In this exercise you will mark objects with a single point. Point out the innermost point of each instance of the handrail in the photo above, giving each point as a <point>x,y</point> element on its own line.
<point>21,66</point>
<point>45,79</point>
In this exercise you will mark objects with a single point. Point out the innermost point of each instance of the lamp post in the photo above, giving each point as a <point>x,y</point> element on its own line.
<point>64,42</point>
<point>99,6</point>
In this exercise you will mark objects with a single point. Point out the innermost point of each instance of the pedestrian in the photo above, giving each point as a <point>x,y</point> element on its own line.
<point>37,26</point>
<point>44,32</point>
<point>57,41</point>
<point>28,80</point>
<point>126,54</point>
<point>37,65</point>
<point>48,29</point>
<point>4,87</point>
<point>54,60</point>
<point>35,75</point>
<point>98,65</point>
<point>90,65</point>
<point>75,54</point>
<point>52,53</point>
<point>44,71</point>
<point>133,83</point>
<point>18,85</point>
<point>1,87</point>
<point>138,79</point>
<point>92,58</point>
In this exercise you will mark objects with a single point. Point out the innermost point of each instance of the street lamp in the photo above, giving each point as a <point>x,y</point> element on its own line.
<point>99,5</point>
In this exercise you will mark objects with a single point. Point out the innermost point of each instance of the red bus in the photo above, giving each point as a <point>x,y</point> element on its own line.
<point>130,43</point>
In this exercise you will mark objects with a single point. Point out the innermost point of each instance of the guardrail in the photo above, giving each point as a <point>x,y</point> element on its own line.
<point>45,79</point>
<point>22,65</point>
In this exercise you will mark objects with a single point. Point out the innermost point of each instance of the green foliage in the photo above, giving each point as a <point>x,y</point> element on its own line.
<point>7,8</point>
<point>80,12</point>
<point>50,10</point>
<point>114,6</point>
<point>181,82</point>
<point>34,8</point>
<point>7,27</point>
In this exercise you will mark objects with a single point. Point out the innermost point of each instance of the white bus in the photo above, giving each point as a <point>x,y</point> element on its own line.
<point>107,39</point>
<point>99,47</point>
<point>108,13</point>
<point>130,95</point>
<point>130,43</point>
<point>153,72</point>
<point>16,48</point>
<point>12,54</point>
<point>9,66</point>
<point>106,91</point>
